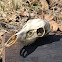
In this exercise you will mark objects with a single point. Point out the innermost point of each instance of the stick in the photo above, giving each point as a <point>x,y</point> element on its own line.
<point>3,51</point>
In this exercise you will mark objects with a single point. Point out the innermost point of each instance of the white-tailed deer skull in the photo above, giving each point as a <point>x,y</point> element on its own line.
<point>30,32</point>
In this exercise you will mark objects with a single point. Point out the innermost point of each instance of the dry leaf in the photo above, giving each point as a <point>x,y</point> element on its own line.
<point>60,27</point>
<point>25,14</point>
<point>48,17</point>
<point>53,26</point>
<point>44,4</point>
<point>21,9</point>
<point>7,20</point>
<point>34,1</point>
<point>2,31</point>
<point>32,15</point>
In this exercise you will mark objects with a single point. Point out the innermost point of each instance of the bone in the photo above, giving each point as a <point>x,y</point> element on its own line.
<point>37,27</point>
<point>11,41</point>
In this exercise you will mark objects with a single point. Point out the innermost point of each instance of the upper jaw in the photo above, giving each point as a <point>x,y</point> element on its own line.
<point>15,38</point>
<point>11,41</point>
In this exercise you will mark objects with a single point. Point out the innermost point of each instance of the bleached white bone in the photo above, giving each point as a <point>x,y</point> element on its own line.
<point>30,32</point>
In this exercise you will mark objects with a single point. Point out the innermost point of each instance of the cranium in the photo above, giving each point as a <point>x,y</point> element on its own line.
<point>32,30</point>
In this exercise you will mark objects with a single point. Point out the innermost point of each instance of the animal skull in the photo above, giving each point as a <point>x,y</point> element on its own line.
<point>30,32</point>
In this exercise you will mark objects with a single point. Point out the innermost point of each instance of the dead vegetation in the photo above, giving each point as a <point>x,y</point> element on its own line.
<point>15,13</point>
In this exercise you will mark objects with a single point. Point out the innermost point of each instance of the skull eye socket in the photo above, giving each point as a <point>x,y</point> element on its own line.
<point>29,33</point>
<point>40,31</point>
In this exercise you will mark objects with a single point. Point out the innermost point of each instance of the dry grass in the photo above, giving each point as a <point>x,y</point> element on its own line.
<point>10,9</point>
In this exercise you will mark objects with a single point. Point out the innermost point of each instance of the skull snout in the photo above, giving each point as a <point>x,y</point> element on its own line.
<point>11,41</point>
<point>16,37</point>
<point>32,30</point>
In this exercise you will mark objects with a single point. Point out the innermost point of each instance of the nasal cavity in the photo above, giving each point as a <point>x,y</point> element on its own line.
<point>40,31</point>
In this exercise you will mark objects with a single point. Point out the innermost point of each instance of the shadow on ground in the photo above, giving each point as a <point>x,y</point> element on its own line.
<point>26,50</point>
<point>1,60</point>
